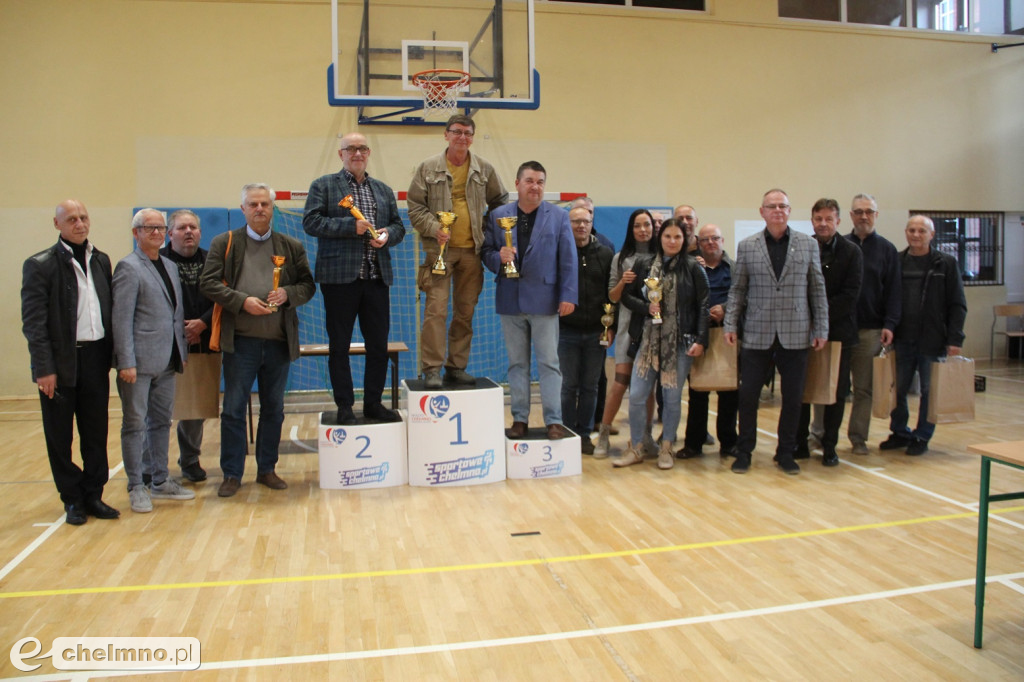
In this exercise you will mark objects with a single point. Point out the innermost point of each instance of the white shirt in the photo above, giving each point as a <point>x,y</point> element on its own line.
<point>90,319</point>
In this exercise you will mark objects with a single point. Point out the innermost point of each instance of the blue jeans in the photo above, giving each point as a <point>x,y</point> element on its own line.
<point>253,359</point>
<point>640,388</point>
<point>519,330</point>
<point>146,425</point>
<point>581,359</point>
<point>908,360</point>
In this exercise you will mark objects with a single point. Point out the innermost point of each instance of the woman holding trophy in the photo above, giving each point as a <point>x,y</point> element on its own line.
<point>669,303</point>
<point>638,244</point>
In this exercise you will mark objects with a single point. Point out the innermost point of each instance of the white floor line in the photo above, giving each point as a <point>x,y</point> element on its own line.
<point>1012,585</point>
<point>293,435</point>
<point>51,528</point>
<point>562,636</point>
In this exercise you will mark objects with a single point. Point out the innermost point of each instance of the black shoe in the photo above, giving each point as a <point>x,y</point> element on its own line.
<point>894,442</point>
<point>343,417</point>
<point>76,514</point>
<point>917,447</point>
<point>378,413</point>
<point>709,439</point>
<point>802,453</point>
<point>742,463</point>
<point>688,453</point>
<point>586,445</point>
<point>100,509</point>
<point>788,465</point>
<point>193,472</point>
<point>727,452</point>
<point>829,458</point>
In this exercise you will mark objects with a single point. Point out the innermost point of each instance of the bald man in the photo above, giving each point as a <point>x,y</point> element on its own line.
<point>66,308</point>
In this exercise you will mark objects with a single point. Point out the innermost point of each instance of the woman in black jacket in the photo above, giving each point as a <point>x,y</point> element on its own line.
<point>664,350</point>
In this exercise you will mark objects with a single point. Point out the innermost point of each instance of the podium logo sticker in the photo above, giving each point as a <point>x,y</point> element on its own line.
<point>336,436</point>
<point>521,448</point>
<point>109,653</point>
<point>436,406</point>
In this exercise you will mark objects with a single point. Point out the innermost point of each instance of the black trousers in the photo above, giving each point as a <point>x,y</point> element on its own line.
<point>754,368</point>
<point>834,412</point>
<point>697,419</point>
<point>368,300</point>
<point>86,401</point>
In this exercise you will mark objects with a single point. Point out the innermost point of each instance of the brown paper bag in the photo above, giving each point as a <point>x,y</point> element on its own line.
<point>951,398</point>
<point>883,384</point>
<point>197,391</point>
<point>823,374</point>
<point>716,369</point>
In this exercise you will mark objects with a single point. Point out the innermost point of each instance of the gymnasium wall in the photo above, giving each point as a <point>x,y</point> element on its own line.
<point>180,102</point>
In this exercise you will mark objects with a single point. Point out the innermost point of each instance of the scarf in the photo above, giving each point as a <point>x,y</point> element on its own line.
<point>659,348</point>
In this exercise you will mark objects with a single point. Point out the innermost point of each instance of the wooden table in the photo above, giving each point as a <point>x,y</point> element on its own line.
<point>1010,454</point>
<point>394,348</point>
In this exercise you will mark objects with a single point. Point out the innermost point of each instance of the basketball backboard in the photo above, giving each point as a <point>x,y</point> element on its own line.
<point>379,45</point>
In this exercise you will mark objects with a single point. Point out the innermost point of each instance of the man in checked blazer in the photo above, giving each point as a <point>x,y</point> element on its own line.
<point>355,274</point>
<point>149,350</point>
<point>778,307</point>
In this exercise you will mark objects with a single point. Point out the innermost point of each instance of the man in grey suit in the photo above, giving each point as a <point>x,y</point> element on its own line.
<point>778,307</point>
<point>149,349</point>
<point>355,275</point>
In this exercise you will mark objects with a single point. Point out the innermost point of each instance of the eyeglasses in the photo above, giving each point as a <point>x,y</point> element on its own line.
<point>581,222</point>
<point>150,229</point>
<point>777,207</point>
<point>705,240</point>
<point>353,150</point>
<point>459,132</point>
<point>863,212</point>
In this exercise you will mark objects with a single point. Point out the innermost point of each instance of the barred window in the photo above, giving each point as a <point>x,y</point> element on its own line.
<point>974,239</point>
<point>968,16</point>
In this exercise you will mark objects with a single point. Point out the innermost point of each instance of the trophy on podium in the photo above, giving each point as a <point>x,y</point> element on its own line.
<point>507,224</point>
<point>654,295</point>
<point>278,262</point>
<point>357,214</point>
<point>607,320</point>
<point>447,219</point>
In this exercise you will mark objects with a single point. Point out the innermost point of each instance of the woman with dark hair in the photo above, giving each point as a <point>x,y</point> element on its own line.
<point>667,349</point>
<point>639,232</point>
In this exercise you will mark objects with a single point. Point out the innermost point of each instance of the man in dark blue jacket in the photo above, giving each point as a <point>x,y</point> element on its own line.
<point>931,327</point>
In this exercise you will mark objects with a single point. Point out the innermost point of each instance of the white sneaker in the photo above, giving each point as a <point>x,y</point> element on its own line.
<point>171,490</point>
<point>138,497</point>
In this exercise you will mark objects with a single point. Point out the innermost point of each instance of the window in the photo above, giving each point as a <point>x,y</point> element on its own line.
<point>695,5</point>
<point>973,16</point>
<point>974,239</point>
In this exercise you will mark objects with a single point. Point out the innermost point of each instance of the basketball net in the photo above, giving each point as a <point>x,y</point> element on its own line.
<point>441,88</point>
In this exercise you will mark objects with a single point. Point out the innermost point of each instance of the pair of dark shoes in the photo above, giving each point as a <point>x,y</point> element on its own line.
<point>914,446</point>
<point>77,512</point>
<point>194,473</point>
<point>373,413</point>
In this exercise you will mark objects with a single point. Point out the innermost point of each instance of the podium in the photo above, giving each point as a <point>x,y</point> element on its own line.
<point>362,455</point>
<point>456,433</point>
<point>537,457</point>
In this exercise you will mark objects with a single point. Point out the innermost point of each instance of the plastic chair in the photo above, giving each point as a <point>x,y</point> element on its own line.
<point>1007,311</point>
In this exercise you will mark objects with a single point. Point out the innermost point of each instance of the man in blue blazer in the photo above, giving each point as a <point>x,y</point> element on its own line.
<point>544,253</point>
<point>354,273</point>
<point>149,349</point>
<point>777,305</point>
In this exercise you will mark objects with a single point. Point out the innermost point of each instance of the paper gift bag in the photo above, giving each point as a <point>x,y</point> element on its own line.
<point>715,370</point>
<point>197,391</point>
<point>823,374</point>
<point>883,384</point>
<point>951,398</point>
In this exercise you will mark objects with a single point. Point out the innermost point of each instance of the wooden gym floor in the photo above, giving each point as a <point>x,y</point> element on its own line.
<point>864,571</point>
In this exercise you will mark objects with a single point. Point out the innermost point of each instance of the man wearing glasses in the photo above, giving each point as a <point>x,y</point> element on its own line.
<point>718,267</point>
<point>355,274</point>
<point>465,184</point>
<point>149,349</point>
<point>878,312</point>
<point>777,306</point>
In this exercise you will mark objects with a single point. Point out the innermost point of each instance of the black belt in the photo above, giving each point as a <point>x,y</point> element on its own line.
<point>86,344</point>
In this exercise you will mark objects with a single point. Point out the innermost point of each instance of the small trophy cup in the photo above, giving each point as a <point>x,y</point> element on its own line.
<point>278,262</point>
<point>654,295</point>
<point>607,320</point>
<point>447,219</point>
<point>507,224</point>
<point>357,214</point>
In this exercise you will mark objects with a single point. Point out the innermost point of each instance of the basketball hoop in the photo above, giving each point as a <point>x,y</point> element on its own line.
<point>441,88</point>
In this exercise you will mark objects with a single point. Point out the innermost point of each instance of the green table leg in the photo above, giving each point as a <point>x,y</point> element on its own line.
<point>979,584</point>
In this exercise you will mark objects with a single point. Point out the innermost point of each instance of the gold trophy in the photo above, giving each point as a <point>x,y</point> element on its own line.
<point>447,219</point>
<point>507,224</point>
<point>654,295</point>
<point>278,262</point>
<point>357,214</point>
<point>607,320</point>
